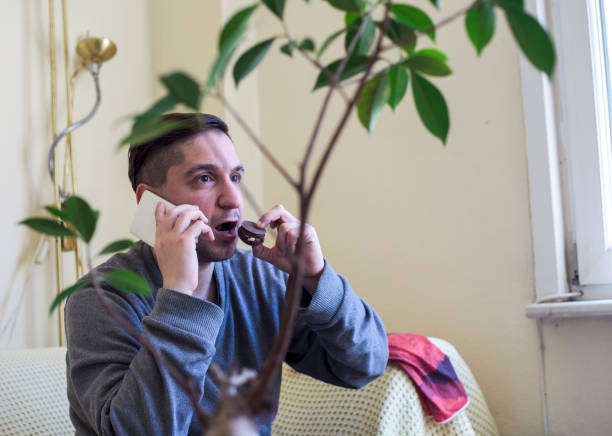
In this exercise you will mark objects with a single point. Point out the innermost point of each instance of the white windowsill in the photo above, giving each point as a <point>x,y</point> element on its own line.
<point>570,309</point>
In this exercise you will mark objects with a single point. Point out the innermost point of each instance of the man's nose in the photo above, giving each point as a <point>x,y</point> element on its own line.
<point>230,196</point>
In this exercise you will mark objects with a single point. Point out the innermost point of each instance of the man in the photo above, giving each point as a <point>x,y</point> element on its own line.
<point>211,302</point>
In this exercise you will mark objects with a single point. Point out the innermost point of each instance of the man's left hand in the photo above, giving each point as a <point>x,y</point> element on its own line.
<point>288,228</point>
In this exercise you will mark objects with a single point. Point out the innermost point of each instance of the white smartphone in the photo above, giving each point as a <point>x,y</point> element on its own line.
<point>143,224</point>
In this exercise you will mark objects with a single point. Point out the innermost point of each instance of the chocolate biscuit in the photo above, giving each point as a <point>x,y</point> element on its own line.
<point>251,234</point>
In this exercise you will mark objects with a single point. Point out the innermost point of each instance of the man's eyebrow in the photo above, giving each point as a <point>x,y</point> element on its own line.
<point>201,167</point>
<point>209,167</point>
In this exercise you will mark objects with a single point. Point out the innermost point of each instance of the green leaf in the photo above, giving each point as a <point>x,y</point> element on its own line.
<point>354,66</point>
<point>427,62</point>
<point>401,35</point>
<point>120,245</point>
<point>183,88</point>
<point>328,41</point>
<point>128,281</point>
<point>288,48</point>
<point>47,226</point>
<point>355,6</point>
<point>81,216</point>
<point>56,212</point>
<point>250,59</point>
<point>232,32</point>
<point>398,83</point>
<point>152,114</point>
<point>512,3</point>
<point>480,24</point>
<point>414,18</point>
<point>218,67</point>
<point>350,18</point>
<point>374,96</point>
<point>431,106</point>
<point>434,52</point>
<point>146,132</point>
<point>307,44</point>
<point>533,40</point>
<point>276,6</point>
<point>367,34</point>
<point>235,27</point>
<point>146,126</point>
<point>67,292</point>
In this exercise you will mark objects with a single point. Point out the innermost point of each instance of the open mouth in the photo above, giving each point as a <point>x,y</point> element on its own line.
<point>227,227</point>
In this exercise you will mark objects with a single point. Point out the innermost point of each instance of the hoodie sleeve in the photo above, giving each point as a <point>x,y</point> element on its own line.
<point>115,384</point>
<point>338,337</point>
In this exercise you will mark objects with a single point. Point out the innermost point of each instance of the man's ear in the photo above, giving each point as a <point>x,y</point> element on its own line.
<point>141,188</point>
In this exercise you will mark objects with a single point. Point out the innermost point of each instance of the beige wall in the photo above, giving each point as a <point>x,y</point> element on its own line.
<point>436,238</point>
<point>578,355</point>
<point>25,121</point>
<point>23,91</point>
<point>184,36</point>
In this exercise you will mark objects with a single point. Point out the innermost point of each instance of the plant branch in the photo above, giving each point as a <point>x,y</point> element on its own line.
<point>258,395</point>
<point>186,383</point>
<point>332,87</point>
<point>349,108</point>
<point>438,25</point>
<point>453,17</point>
<point>251,199</point>
<point>384,70</point>
<point>322,69</point>
<point>264,150</point>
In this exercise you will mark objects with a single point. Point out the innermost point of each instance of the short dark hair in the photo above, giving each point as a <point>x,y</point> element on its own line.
<point>149,161</point>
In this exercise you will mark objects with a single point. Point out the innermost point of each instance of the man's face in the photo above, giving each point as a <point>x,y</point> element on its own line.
<point>209,177</point>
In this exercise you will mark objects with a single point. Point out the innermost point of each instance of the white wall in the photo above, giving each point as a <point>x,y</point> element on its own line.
<point>25,121</point>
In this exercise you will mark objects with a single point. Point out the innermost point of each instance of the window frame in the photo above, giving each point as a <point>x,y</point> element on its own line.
<point>545,185</point>
<point>560,118</point>
<point>587,124</point>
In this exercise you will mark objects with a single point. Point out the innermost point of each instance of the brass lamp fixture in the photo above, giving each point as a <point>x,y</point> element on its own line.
<point>96,50</point>
<point>93,52</point>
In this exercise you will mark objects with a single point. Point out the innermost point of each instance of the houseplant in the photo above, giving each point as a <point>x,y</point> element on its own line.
<point>370,29</point>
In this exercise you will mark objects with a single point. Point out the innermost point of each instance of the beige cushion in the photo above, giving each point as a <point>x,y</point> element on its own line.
<point>33,401</point>
<point>388,406</point>
<point>33,397</point>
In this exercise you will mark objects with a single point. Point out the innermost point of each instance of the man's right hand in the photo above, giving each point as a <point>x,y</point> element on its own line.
<point>177,232</point>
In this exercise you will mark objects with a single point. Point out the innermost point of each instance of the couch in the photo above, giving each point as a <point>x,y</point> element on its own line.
<point>33,401</point>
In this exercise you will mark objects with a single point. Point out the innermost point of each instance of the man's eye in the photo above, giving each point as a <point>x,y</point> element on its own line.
<point>204,178</point>
<point>236,178</point>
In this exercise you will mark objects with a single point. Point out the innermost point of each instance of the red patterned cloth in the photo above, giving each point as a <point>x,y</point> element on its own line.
<point>441,393</point>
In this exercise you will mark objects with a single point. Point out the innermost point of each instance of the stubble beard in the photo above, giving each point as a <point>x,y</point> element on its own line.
<point>207,252</point>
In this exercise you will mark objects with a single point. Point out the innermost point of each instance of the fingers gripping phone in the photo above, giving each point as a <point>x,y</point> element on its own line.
<point>143,224</point>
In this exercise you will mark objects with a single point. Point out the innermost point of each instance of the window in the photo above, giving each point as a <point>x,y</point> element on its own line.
<point>606,49</point>
<point>569,150</point>
<point>585,118</point>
